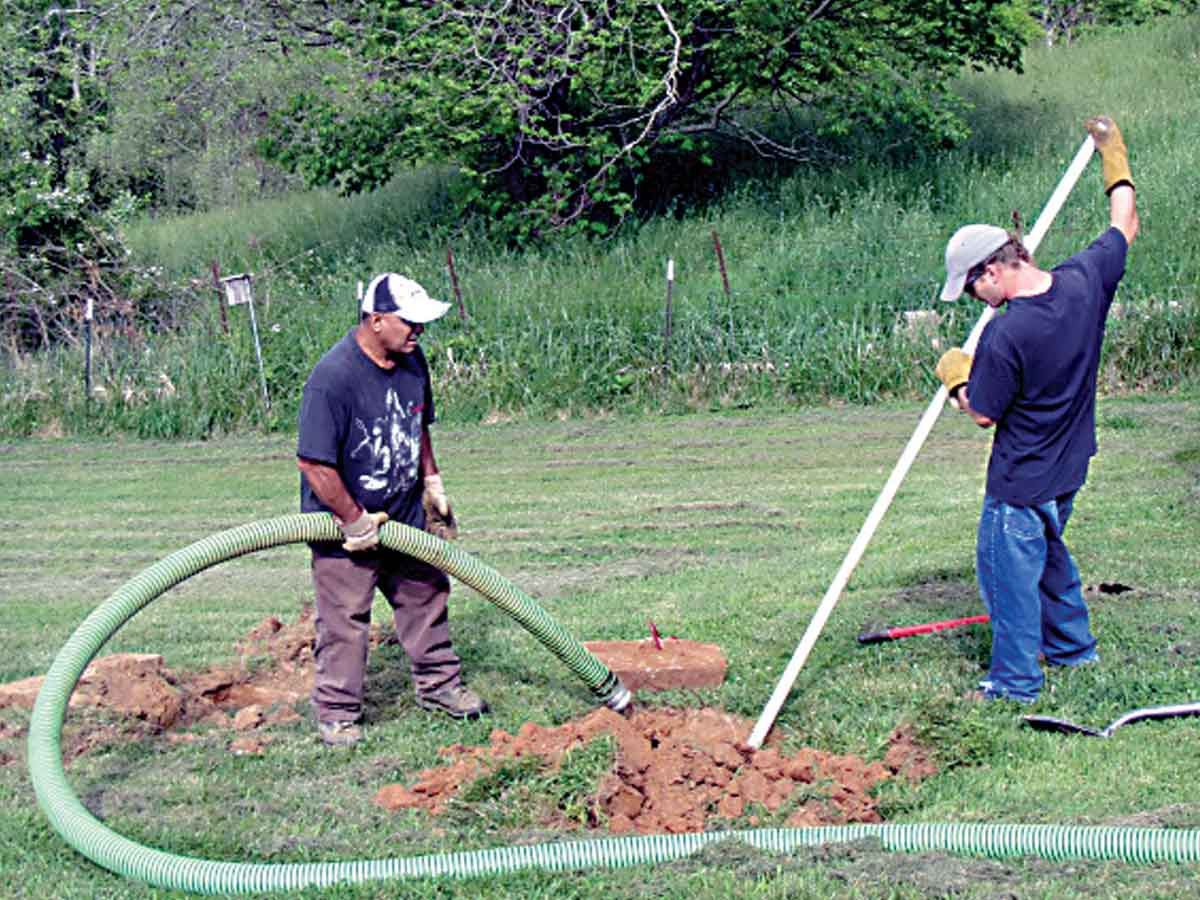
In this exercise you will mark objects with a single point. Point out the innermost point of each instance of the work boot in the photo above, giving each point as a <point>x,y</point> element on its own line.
<point>340,734</point>
<point>455,700</point>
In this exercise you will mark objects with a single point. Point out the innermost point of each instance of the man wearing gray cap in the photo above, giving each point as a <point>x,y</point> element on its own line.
<point>366,456</point>
<point>1033,377</point>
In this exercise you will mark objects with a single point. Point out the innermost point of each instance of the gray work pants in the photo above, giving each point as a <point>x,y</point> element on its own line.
<point>345,591</point>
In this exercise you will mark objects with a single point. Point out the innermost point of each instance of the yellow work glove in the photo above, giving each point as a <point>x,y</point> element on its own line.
<point>954,369</point>
<point>1108,140</point>
<point>439,518</point>
<point>363,532</point>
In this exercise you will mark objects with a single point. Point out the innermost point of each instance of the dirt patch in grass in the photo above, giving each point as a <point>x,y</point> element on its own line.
<point>1177,815</point>
<point>868,870</point>
<point>131,696</point>
<point>681,770</point>
<point>10,735</point>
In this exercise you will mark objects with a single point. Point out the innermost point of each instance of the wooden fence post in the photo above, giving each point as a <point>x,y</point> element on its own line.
<point>462,310</point>
<point>721,263</point>
<point>724,284</point>
<point>216,274</point>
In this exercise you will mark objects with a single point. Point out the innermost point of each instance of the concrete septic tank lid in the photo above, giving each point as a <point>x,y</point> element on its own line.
<point>673,663</point>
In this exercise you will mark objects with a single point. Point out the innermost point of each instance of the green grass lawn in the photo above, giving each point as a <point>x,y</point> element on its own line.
<point>719,528</point>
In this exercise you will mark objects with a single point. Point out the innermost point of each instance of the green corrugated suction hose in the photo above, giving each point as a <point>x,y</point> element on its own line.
<point>105,847</point>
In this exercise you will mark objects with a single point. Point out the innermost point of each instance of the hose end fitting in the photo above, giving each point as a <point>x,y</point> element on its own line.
<point>620,700</point>
<point>614,694</point>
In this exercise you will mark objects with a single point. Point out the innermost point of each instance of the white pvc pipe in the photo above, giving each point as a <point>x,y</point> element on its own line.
<point>767,718</point>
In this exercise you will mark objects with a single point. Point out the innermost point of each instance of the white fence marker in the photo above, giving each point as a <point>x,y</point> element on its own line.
<point>238,292</point>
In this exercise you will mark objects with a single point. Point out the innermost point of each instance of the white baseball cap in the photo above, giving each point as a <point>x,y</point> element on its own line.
<point>969,246</point>
<point>396,295</point>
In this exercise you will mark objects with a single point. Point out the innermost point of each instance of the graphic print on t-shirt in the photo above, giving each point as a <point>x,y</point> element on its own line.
<point>391,444</point>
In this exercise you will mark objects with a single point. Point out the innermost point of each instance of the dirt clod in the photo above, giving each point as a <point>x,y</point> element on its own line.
<point>133,684</point>
<point>273,673</point>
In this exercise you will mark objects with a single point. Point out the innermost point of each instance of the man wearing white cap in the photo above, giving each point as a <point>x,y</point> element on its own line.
<point>366,456</point>
<point>1033,377</point>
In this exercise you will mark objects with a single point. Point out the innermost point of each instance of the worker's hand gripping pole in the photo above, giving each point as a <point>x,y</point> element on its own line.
<point>767,718</point>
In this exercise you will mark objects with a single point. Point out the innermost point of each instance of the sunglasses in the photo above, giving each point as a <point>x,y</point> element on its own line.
<point>973,276</point>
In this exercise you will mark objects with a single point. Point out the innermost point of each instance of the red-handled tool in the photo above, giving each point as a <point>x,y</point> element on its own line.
<point>892,634</point>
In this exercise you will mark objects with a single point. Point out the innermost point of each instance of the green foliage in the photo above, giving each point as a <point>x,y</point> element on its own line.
<point>60,247</point>
<point>47,105</point>
<point>563,115</point>
<point>564,121</point>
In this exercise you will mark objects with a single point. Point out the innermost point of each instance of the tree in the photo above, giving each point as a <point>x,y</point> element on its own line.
<point>1065,19</point>
<point>191,95</point>
<point>558,111</point>
<point>50,101</point>
<point>112,106</point>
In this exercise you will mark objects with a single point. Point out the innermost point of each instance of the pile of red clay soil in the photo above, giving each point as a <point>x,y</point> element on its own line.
<point>273,672</point>
<point>682,770</point>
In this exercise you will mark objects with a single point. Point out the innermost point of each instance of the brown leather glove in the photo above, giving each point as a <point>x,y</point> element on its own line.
<point>954,369</point>
<point>1107,136</point>
<point>439,518</point>
<point>363,532</point>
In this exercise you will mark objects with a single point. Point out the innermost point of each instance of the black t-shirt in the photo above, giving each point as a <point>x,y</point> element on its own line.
<point>1034,374</point>
<point>366,422</point>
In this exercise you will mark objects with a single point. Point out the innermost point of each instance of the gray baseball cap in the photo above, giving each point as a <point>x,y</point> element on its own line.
<point>969,246</point>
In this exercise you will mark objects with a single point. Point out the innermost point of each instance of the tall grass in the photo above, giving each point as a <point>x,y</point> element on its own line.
<point>822,264</point>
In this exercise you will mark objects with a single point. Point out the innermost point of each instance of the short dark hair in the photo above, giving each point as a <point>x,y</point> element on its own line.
<point>1011,253</point>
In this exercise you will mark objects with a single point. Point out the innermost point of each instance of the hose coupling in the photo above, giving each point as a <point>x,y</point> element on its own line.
<point>617,696</point>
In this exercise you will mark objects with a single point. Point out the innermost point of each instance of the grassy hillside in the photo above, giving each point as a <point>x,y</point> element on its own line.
<point>821,264</point>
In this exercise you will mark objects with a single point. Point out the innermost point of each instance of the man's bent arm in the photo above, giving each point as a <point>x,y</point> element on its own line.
<point>428,463</point>
<point>327,484</point>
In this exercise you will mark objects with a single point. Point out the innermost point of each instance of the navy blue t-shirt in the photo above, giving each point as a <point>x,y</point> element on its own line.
<point>366,422</point>
<point>1034,374</point>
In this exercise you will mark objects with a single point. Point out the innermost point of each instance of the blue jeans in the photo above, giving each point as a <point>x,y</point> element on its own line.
<point>1030,586</point>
